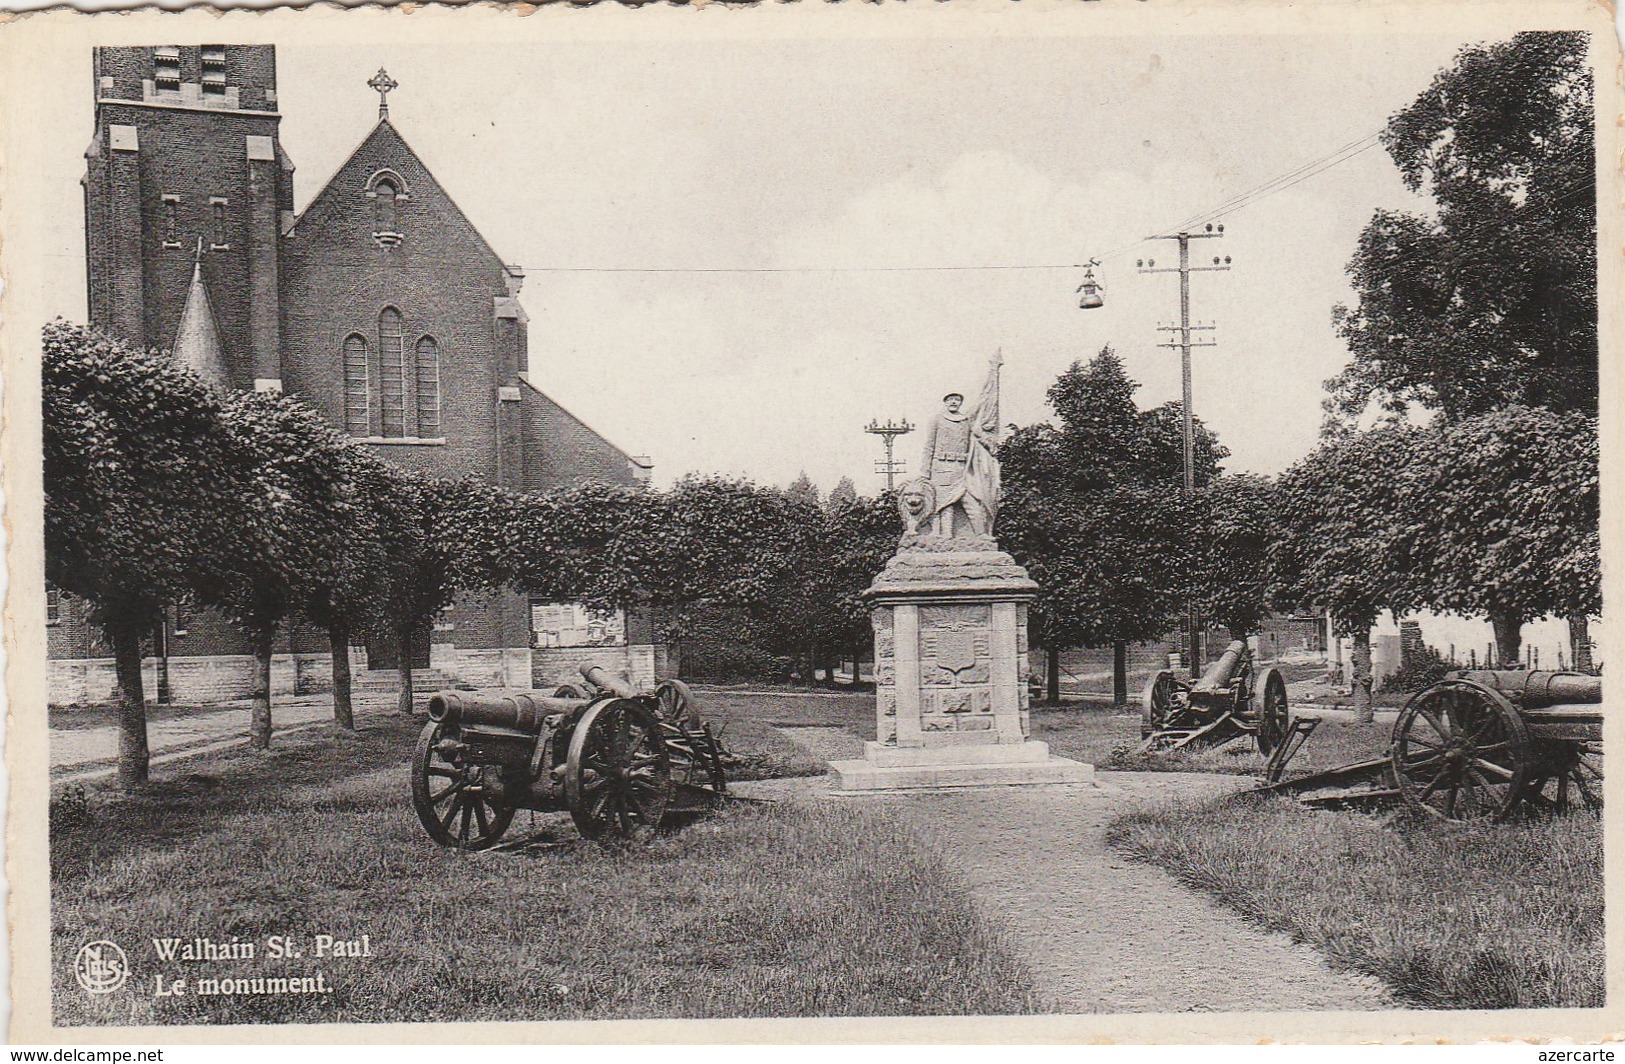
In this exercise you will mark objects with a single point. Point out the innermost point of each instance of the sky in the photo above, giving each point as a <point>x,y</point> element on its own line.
<point>839,162</point>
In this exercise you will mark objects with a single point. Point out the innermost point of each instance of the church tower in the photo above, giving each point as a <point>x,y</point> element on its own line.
<point>187,191</point>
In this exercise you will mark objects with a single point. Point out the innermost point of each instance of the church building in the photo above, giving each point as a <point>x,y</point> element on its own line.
<point>380,305</point>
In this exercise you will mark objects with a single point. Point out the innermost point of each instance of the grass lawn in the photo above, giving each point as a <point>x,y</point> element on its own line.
<point>1107,738</point>
<point>1451,916</point>
<point>759,910</point>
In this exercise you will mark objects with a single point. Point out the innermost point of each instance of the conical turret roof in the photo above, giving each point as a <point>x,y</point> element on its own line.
<point>197,341</point>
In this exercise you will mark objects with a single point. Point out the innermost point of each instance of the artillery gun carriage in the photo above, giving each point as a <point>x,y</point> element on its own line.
<point>1479,743</point>
<point>1233,697</point>
<point>619,760</point>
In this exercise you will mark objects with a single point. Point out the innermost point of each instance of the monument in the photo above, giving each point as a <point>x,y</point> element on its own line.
<point>949,613</point>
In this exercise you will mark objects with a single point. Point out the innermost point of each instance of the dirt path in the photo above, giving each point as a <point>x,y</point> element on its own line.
<point>1102,933</point>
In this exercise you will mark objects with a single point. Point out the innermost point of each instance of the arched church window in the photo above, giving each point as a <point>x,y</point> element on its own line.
<point>428,372</point>
<point>217,222</point>
<point>383,206</point>
<point>391,374</point>
<point>357,395</point>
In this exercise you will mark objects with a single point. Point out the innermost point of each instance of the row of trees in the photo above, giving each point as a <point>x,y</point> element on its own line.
<point>1494,515</point>
<point>160,488</point>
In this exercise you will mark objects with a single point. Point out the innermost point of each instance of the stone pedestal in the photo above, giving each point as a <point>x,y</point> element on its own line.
<point>950,623</point>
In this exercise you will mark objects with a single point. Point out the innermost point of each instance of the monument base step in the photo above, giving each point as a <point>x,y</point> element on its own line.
<point>860,777</point>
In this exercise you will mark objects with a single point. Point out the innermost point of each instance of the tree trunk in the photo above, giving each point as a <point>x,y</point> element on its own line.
<point>1508,637</point>
<point>259,724</point>
<point>1365,711</point>
<point>1052,675</point>
<point>1580,641</point>
<point>338,642</point>
<point>857,663</point>
<point>406,704</point>
<point>1120,673</point>
<point>133,754</point>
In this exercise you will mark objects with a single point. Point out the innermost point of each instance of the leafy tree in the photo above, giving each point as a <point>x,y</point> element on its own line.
<point>289,508</point>
<point>349,596</point>
<point>1096,513</point>
<point>1339,516</point>
<point>845,493</point>
<point>1111,566</point>
<point>1502,518</point>
<point>1492,300</point>
<point>1232,570</point>
<point>132,502</point>
<point>803,490</point>
<point>860,535</point>
<point>1162,456</point>
<point>450,536</point>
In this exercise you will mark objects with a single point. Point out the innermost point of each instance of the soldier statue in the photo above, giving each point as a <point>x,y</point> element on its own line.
<point>961,468</point>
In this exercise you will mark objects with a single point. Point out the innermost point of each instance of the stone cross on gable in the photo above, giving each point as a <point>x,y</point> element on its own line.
<point>383,84</point>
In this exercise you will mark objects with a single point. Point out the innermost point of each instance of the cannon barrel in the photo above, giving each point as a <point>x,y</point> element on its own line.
<point>602,679</point>
<point>1538,689</point>
<point>1221,672</point>
<point>523,711</point>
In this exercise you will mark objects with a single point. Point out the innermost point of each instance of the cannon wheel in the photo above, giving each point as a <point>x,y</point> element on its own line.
<point>1461,752</point>
<point>1570,775</point>
<point>454,810</point>
<point>569,690</point>
<point>1157,703</point>
<point>1271,711</point>
<point>677,702</point>
<point>618,777</point>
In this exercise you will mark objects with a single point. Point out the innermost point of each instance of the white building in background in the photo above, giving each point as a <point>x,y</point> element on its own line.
<point>1467,641</point>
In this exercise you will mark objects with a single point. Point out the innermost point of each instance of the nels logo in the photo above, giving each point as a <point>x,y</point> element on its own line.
<point>101,967</point>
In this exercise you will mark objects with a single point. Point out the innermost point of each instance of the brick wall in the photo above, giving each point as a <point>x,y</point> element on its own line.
<point>139,267</point>
<point>442,278</point>
<point>561,449</point>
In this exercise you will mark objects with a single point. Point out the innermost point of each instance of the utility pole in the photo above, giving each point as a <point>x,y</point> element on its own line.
<point>1185,343</point>
<point>889,432</point>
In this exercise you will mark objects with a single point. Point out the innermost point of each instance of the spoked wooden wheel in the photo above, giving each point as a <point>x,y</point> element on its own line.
<point>1569,777</point>
<point>677,702</point>
<point>1157,703</point>
<point>450,797</point>
<point>1461,752</point>
<point>1271,711</point>
<point>618,777</point>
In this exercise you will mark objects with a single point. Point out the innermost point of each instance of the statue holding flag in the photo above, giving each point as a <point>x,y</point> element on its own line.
<point>961,465</point>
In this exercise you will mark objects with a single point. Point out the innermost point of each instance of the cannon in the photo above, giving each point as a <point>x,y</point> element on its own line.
<point>1232,697</point>
<point>1480,743</point>
<point>621,761</point>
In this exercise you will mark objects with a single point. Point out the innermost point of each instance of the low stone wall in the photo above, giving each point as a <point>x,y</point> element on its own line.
<point>199,680</point>
<point>228,678</point>
<point>498,667</point>
<point>558,665</point>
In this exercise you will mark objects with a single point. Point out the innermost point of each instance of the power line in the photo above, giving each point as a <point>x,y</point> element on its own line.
<point>1282,182</point>
<point>1321,164</point>
<point>1278,183</point>
<point>803,269</point>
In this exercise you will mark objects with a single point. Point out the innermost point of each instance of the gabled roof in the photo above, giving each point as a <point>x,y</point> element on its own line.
<point>387,142</point>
